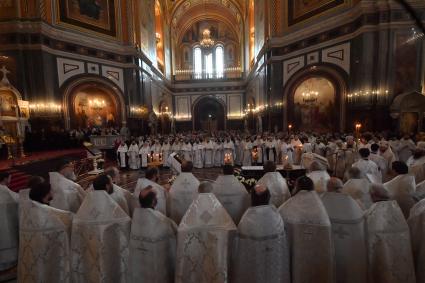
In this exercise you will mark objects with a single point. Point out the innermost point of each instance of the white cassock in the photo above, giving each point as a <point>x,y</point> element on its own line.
<point>44,243</point>
<point>218,155</point>
<point>205,239</point>
<point>344,159</point>
<point>67,195</point>
<point>389,246</point>
<point>133,157</point>
<point>420,191</point>
<point>405,149</point>
<point>259,144</point>
<point>417,233</point>
<point>310,238</point>
<point>261,253</point>
<point>232,195</point>
<point>9,228</point>
<point>209,154</point>
<point>320,179</point>
<point>100,238</point>
<point>198,155</point>
<point>401,189</point>
<point>277,186</point>
<point>271,153</point>
<point>229,148</point>
<point>130,200</point>
<point>144,151</point>
<point>119,197</point>
<point>417,168</point>
<point>152,247</point>
<point>161,194</point>
<point>183,191</point>
<point>348,236</point>
<point>368,167</point>
<point>187,151</point>
<point>381,163</point>
<point>247,153</point>
<point>287,154</point>
<point>121,155</point>
<point>166,151</point>
<point>389,157</point>
<point>359,190</point>
<point>238,152</point>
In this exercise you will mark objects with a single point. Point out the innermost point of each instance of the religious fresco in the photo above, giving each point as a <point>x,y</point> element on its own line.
<point>259,25</point>
<point>300,10</point>
<point>314,105</point>
<point>406,58</point>
<point>147,28</point>
<point>95,15</point>
<point>8,103</point>
<point>94,107</point>
<point>218,31</point>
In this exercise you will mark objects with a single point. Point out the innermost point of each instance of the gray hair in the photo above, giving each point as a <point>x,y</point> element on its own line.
<point>334,184</point>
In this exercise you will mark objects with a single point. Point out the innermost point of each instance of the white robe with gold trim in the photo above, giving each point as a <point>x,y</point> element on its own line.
<point>9,228</point>
<point>277,186</point>
<point>183,191</point>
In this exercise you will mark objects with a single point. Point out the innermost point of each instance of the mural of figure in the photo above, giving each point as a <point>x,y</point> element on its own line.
<point>90,8</point>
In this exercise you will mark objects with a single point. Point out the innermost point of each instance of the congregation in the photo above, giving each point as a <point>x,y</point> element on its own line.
<point>344,221</point>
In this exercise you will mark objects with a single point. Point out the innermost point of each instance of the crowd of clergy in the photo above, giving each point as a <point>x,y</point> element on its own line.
<point>358,215</point>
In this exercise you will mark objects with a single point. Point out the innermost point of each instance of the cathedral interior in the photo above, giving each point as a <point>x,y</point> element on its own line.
<point>161,66</point>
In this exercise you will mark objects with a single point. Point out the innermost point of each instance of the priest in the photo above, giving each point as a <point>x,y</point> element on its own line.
<point>261,253</point>
<point>198,154</point>
<point>145,154</point>
<point>319,176</point>
<point>229,150</point>
<point>349,242</point>
<point>152,242</point>
<point>417,232</point>
<point>151,179</point>
<point>389,247</point>
<point>368,167</point>
<point>44,238</point>
<point>67,195</point>
<point>416,163</point>
<point>183,191</point>
<point>231,193</point>
<point>133,156</point>
<point>166,151</point>
<point>205,238</point>
<point>386,152</point>
<point>9,223</point>
<point>309,234</point>
<point>209,153</point>
<point>122,154</point>
<point>358,187</point>
<point>247,152</point>
<point>276,184</point>
<point>187,150</point>
<point>123,197</point>
<point>218,153</point>
<point>100,237</point>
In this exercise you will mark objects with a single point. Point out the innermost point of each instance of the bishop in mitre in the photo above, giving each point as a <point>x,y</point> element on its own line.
<point>44,238</point>
<point>151,178</point>
<point>100,237</point>
<point>417,233</point>
<point>358,187</point>
<point>276,184</point>
<point>67,195</point>
<point>349,241</point>
<point>261,253</point>
<point>183,191</point>
<point>309,235</point>
<point>152,242</point>
<point>319,176</point>
<point>8,223</point>
<point>388,237</point>
<point>231,193</point>
<point>402,187</point>
<point>205,238</point>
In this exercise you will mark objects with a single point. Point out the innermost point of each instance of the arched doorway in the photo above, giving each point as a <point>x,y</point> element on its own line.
<point>93,103</point>
<point>315,100</point>
<point>208,115</point>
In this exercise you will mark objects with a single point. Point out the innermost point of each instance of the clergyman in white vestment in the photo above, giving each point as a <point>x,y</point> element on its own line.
<point>204,241</point>
<point>183,191</point>
<point>261,252</point>
<point>348,234</point>
<point>231,194</point>
<point>309,235</point>
<point>358,188</point>
<point>100,237</point>
<point>275,183</point>
<point>319,176</point>
<point>152,243</point>
<point>67,195</point>
<point>416,223</point>
<point>151,179</point>
<point>416,162</point>
<point>389,246</point>
<point>44,238</point>
<point>127,201</point>
<point>8,223</point>
<point>367,166</point>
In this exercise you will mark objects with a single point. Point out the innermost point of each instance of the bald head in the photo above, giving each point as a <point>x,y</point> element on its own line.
<point>187,166</point>
<point>334,185</point>
<point>260,195</point>
<point>205,187</point>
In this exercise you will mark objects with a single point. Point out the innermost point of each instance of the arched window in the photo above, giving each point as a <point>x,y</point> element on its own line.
<point>219,61</point>
<point>197,62</point>
<point>209,65</point>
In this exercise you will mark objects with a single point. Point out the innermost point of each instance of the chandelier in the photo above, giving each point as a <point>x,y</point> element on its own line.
<point>310,96</point>
<point>97,104</point>
<point>207,42</point>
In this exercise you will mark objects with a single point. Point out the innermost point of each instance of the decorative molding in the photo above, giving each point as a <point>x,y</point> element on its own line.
<point>338,55</point>
<point>222,97</point>
<point>68,68</point>
<point>93,68</point>
<point>115,75</point>
<point>291,66</point>
<point>313,58</point>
